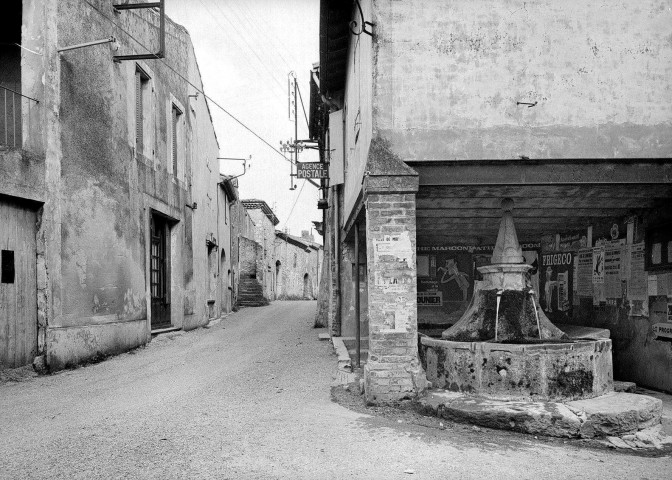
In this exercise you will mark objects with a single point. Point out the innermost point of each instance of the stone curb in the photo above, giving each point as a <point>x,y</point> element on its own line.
<point>613,414</point>
<point>344,373</point>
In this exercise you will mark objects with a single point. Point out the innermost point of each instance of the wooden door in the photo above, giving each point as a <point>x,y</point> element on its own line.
<point>158,272</point>
<point>18,287</point>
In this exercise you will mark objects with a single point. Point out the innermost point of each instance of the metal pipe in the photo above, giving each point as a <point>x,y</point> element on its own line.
<point>499,297</point>
<point>87,44</point>
<point>5,105</point>
<point>13,121</point>
<point>337,259</point>
<point>536,313</point>
<point>18,93</point>
<point>134,6</point>
<point>357,312</point>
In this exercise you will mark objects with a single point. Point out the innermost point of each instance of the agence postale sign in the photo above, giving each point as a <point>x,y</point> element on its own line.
<point>311,170</point>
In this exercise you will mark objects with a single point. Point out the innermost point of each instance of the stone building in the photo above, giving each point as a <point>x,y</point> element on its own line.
<point>297,266</point>
<point>433,112</point>
<point>257,254</point>
<point>112,222</point>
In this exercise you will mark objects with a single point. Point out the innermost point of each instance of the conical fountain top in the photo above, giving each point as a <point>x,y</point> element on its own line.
<point>507,248</point>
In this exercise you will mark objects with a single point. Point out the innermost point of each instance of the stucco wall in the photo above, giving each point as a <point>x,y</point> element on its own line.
<point>358,111</point>
<point>101,192</point>
<point>448,76</point>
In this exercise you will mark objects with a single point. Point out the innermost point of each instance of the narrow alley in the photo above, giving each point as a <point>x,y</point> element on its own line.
<point>249,397</point>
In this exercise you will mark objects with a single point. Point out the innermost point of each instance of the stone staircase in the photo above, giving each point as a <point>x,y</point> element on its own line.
<point>250,293</point>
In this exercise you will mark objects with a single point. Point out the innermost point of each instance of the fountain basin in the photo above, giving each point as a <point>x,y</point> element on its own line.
<point>563,370</point>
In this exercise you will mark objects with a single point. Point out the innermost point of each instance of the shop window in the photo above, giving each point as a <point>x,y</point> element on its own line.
<point>659,248</point>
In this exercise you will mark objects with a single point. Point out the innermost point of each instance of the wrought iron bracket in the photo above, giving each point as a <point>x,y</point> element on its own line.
<point>161,53</point>
<point>364,23</point>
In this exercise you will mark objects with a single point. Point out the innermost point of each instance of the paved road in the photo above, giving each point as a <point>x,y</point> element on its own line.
<point>250,398</point>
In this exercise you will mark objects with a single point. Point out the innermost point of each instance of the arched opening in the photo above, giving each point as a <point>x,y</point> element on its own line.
<point>278,279</point>
<point>307,287</point>
<point>224,283</point>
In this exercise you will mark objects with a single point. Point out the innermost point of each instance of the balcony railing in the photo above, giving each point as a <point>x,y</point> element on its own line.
<point>11,104</point>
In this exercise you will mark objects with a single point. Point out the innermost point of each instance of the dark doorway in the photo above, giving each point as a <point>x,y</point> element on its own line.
<point>159,273</point>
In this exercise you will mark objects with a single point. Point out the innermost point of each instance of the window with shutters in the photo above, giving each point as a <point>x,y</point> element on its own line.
<point>141,102</point>
<point>176,141</point>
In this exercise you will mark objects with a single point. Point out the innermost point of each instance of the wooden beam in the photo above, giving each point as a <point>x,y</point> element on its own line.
<point>545,172</point>
<point>538,203</point>
<point>518,191</point>
<point>496,214</point>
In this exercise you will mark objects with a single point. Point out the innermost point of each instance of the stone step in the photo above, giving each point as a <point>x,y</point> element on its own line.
<point>612,414</point>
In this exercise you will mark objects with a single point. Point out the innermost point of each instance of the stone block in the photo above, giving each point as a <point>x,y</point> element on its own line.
<point>617,413</point>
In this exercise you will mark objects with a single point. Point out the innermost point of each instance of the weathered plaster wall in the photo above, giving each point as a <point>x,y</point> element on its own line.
<point>101,192</point>
<point>208,220</point>
<point>448,76</point>
<point>358,111</point>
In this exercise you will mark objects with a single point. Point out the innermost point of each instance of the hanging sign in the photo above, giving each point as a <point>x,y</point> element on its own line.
<point>312,170</point>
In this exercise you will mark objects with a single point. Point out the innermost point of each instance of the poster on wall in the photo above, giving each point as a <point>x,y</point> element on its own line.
<point>557,279</point>
<point>584,274</point>
<point>637,293</point>
<point>445,283</point>
<point>613,274</point>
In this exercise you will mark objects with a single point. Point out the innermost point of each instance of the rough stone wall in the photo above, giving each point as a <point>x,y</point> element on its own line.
<point>242,226</point>
<point>249,251</point>
<point>264,235</point>
<point>597,73</point>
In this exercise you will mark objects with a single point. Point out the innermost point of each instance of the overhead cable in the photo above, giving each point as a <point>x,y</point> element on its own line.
<point>198,89</point>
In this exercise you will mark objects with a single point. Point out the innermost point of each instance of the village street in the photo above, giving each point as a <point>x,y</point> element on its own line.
<point>249,397</point>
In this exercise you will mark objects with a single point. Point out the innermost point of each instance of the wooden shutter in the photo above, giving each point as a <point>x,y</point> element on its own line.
<point>175,116</point>
<point>138,112</point>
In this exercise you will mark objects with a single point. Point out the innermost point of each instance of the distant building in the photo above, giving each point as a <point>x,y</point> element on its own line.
<point>112,222</point>
<point>297,266</point>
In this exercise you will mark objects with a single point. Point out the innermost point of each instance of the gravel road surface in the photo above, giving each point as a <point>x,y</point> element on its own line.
<point>249,397</point>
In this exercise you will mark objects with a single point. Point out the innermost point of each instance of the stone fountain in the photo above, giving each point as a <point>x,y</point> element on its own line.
<point>505,348</point>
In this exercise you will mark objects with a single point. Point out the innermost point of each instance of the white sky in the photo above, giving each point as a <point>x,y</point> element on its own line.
<point>245,50</point>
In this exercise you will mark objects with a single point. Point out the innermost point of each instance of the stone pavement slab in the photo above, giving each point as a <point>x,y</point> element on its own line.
<point>613,414</point>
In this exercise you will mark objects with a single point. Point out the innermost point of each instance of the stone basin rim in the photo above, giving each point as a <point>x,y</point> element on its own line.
<point>511,347</point>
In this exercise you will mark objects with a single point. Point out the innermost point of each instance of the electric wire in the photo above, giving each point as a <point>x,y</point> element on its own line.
<point>296,200</point>
<point>233,39</point>
<point>242,36</point>
<point>200,90</point>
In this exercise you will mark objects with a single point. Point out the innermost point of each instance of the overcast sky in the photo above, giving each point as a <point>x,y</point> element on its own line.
<point>245,50</point>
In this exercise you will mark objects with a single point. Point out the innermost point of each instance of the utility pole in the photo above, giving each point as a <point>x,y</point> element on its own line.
<point>292,146</point>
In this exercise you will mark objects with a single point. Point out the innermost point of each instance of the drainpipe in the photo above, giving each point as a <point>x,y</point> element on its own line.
<point>357,327</point>
<point>337,260</point>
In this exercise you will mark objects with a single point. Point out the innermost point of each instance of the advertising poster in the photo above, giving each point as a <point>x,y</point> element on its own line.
<point>598,265</point>
<point>557,279</point>
<point>584,273</point>
<point>612,272</point>
<point>445,283</point>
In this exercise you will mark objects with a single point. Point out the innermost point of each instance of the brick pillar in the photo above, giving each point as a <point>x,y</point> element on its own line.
<point>393,371</point>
